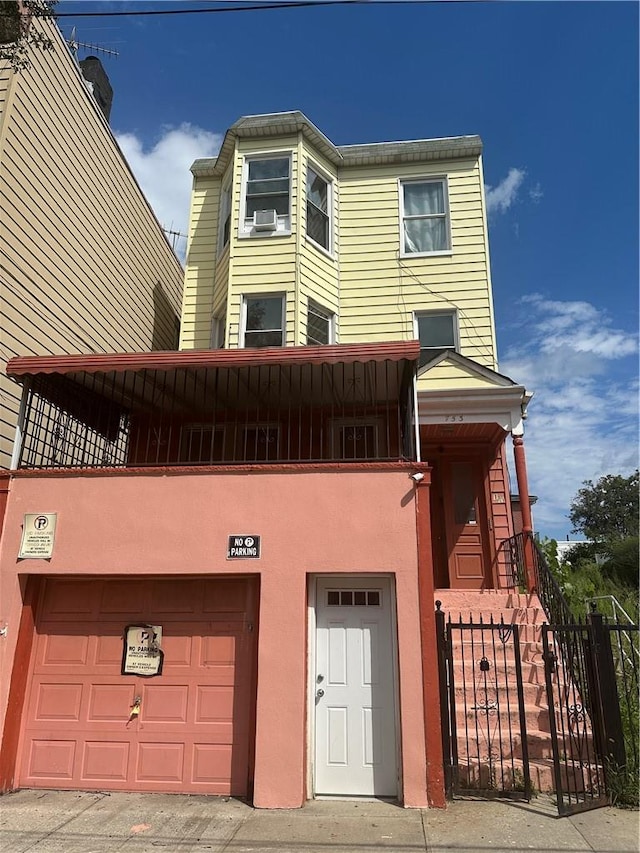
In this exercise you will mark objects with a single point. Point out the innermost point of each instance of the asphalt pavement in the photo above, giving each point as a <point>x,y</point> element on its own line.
<point>81,822</point>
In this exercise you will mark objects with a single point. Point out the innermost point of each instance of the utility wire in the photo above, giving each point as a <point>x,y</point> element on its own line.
<point>294,4</point>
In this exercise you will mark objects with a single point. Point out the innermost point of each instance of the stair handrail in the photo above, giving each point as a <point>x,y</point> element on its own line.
<point>554,604</point>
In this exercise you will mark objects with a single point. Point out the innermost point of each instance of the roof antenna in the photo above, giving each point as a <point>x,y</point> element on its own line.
<point>73,44</point>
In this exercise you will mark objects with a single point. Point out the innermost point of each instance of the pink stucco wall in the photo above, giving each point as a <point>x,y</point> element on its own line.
<point>310,522</point>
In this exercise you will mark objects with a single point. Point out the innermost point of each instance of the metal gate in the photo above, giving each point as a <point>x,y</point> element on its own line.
<point>482,708</point>
<point>592,692</point>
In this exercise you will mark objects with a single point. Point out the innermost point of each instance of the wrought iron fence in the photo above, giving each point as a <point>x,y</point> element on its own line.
<point>482,706</point>
<point>352,411</point>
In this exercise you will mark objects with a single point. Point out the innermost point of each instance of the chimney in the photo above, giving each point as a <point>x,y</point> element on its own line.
<point>94,73</point>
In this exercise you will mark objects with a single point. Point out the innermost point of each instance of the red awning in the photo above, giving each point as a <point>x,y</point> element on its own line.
<point>229,358</point>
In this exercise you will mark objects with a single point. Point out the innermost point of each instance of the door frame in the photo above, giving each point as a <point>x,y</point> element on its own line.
<point>312,602</point>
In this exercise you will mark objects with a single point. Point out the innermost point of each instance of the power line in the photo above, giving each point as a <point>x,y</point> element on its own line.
<point>294,4</point>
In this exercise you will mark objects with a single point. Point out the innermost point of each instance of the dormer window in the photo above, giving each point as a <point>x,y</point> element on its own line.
<point>266,196</point>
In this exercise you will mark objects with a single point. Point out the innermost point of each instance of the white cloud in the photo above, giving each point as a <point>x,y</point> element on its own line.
<point>501,197</point>
<point>163,171</point>
<point>583,420</point>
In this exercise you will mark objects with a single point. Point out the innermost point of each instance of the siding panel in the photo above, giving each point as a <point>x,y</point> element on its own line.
<point>86,264</point>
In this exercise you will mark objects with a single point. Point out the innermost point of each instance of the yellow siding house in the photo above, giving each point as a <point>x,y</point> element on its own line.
<point>296,241</point>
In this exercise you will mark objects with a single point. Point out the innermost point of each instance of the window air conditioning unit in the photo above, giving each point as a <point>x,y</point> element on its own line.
<point>265,220</point>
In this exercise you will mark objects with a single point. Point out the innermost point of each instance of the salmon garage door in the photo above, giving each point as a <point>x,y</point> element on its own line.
<point>188,729</point>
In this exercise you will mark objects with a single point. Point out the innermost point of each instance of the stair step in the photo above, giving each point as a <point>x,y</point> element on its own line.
<point>575,778</point>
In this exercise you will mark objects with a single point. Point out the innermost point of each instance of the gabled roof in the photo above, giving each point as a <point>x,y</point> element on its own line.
<point>470,366</point>
<point>378,153</point>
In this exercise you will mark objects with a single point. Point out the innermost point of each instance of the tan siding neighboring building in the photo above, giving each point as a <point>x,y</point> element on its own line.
<point>85,266</point>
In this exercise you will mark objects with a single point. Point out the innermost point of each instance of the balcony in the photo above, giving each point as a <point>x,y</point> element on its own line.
<point>322,404</point>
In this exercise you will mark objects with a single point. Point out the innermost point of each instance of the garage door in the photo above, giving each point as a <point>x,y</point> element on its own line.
<point>194,727</point>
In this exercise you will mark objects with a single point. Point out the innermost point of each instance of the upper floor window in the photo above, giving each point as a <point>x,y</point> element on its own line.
<point>436,330</point>
<point>263,321</point>
<point>224,226</point>
<point>320,325</point>
<point>266,195</point>
<point>318,209</point>
<point>216,340</point>
<point>425,217</point>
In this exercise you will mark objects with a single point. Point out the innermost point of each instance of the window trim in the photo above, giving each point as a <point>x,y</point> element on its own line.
<point>243,316</point>
<point>320,173</point>
<point>331,317</point>
<point>245,227</point>
<point>444,312</point>
<point>427,179</point>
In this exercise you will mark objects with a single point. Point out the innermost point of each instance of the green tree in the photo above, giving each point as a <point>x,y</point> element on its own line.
<point>17,36</point>
<point>607,511</point>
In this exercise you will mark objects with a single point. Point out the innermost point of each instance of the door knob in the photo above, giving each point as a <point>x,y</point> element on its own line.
<point>319,693</point>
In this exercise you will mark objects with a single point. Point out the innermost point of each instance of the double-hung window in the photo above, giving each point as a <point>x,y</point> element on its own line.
<point>263,321</point>
<point>267,195</point>
<point>425,217</point>
<point>224,225</point>
<point>437,331</point>
<point>320,325</point>
<point>318,209</point>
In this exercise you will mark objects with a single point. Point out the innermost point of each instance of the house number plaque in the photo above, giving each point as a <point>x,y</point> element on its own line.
<point>142,654</point>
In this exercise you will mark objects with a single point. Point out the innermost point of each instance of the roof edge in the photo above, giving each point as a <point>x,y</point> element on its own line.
<point>374,153</point>
<point>31,365</point>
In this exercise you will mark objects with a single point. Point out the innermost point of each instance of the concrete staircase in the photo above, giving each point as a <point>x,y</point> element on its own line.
<point>487,720</point>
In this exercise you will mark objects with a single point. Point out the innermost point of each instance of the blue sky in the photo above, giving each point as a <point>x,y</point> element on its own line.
<point>552,89</point>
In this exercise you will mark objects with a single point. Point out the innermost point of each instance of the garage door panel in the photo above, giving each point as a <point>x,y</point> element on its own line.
<point>226,595</point>
<point>63,649</point>
<point>174,597</point>
<point>178,650</point>
<point>105,761</point>
<point>67,599</point>
<point>214,703</point>
<point>108,648</point>
<point>57,701</point>
<point>110,702</point>
<point>50,758</point>
<point>212,763</point>
<point>160,762</point>
<point>219,649</point>
<point>165,703</point>
<point>123,597</point>
<point>192,733</point>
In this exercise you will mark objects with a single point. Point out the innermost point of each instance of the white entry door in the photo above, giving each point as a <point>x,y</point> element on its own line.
<point>356,751</point>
